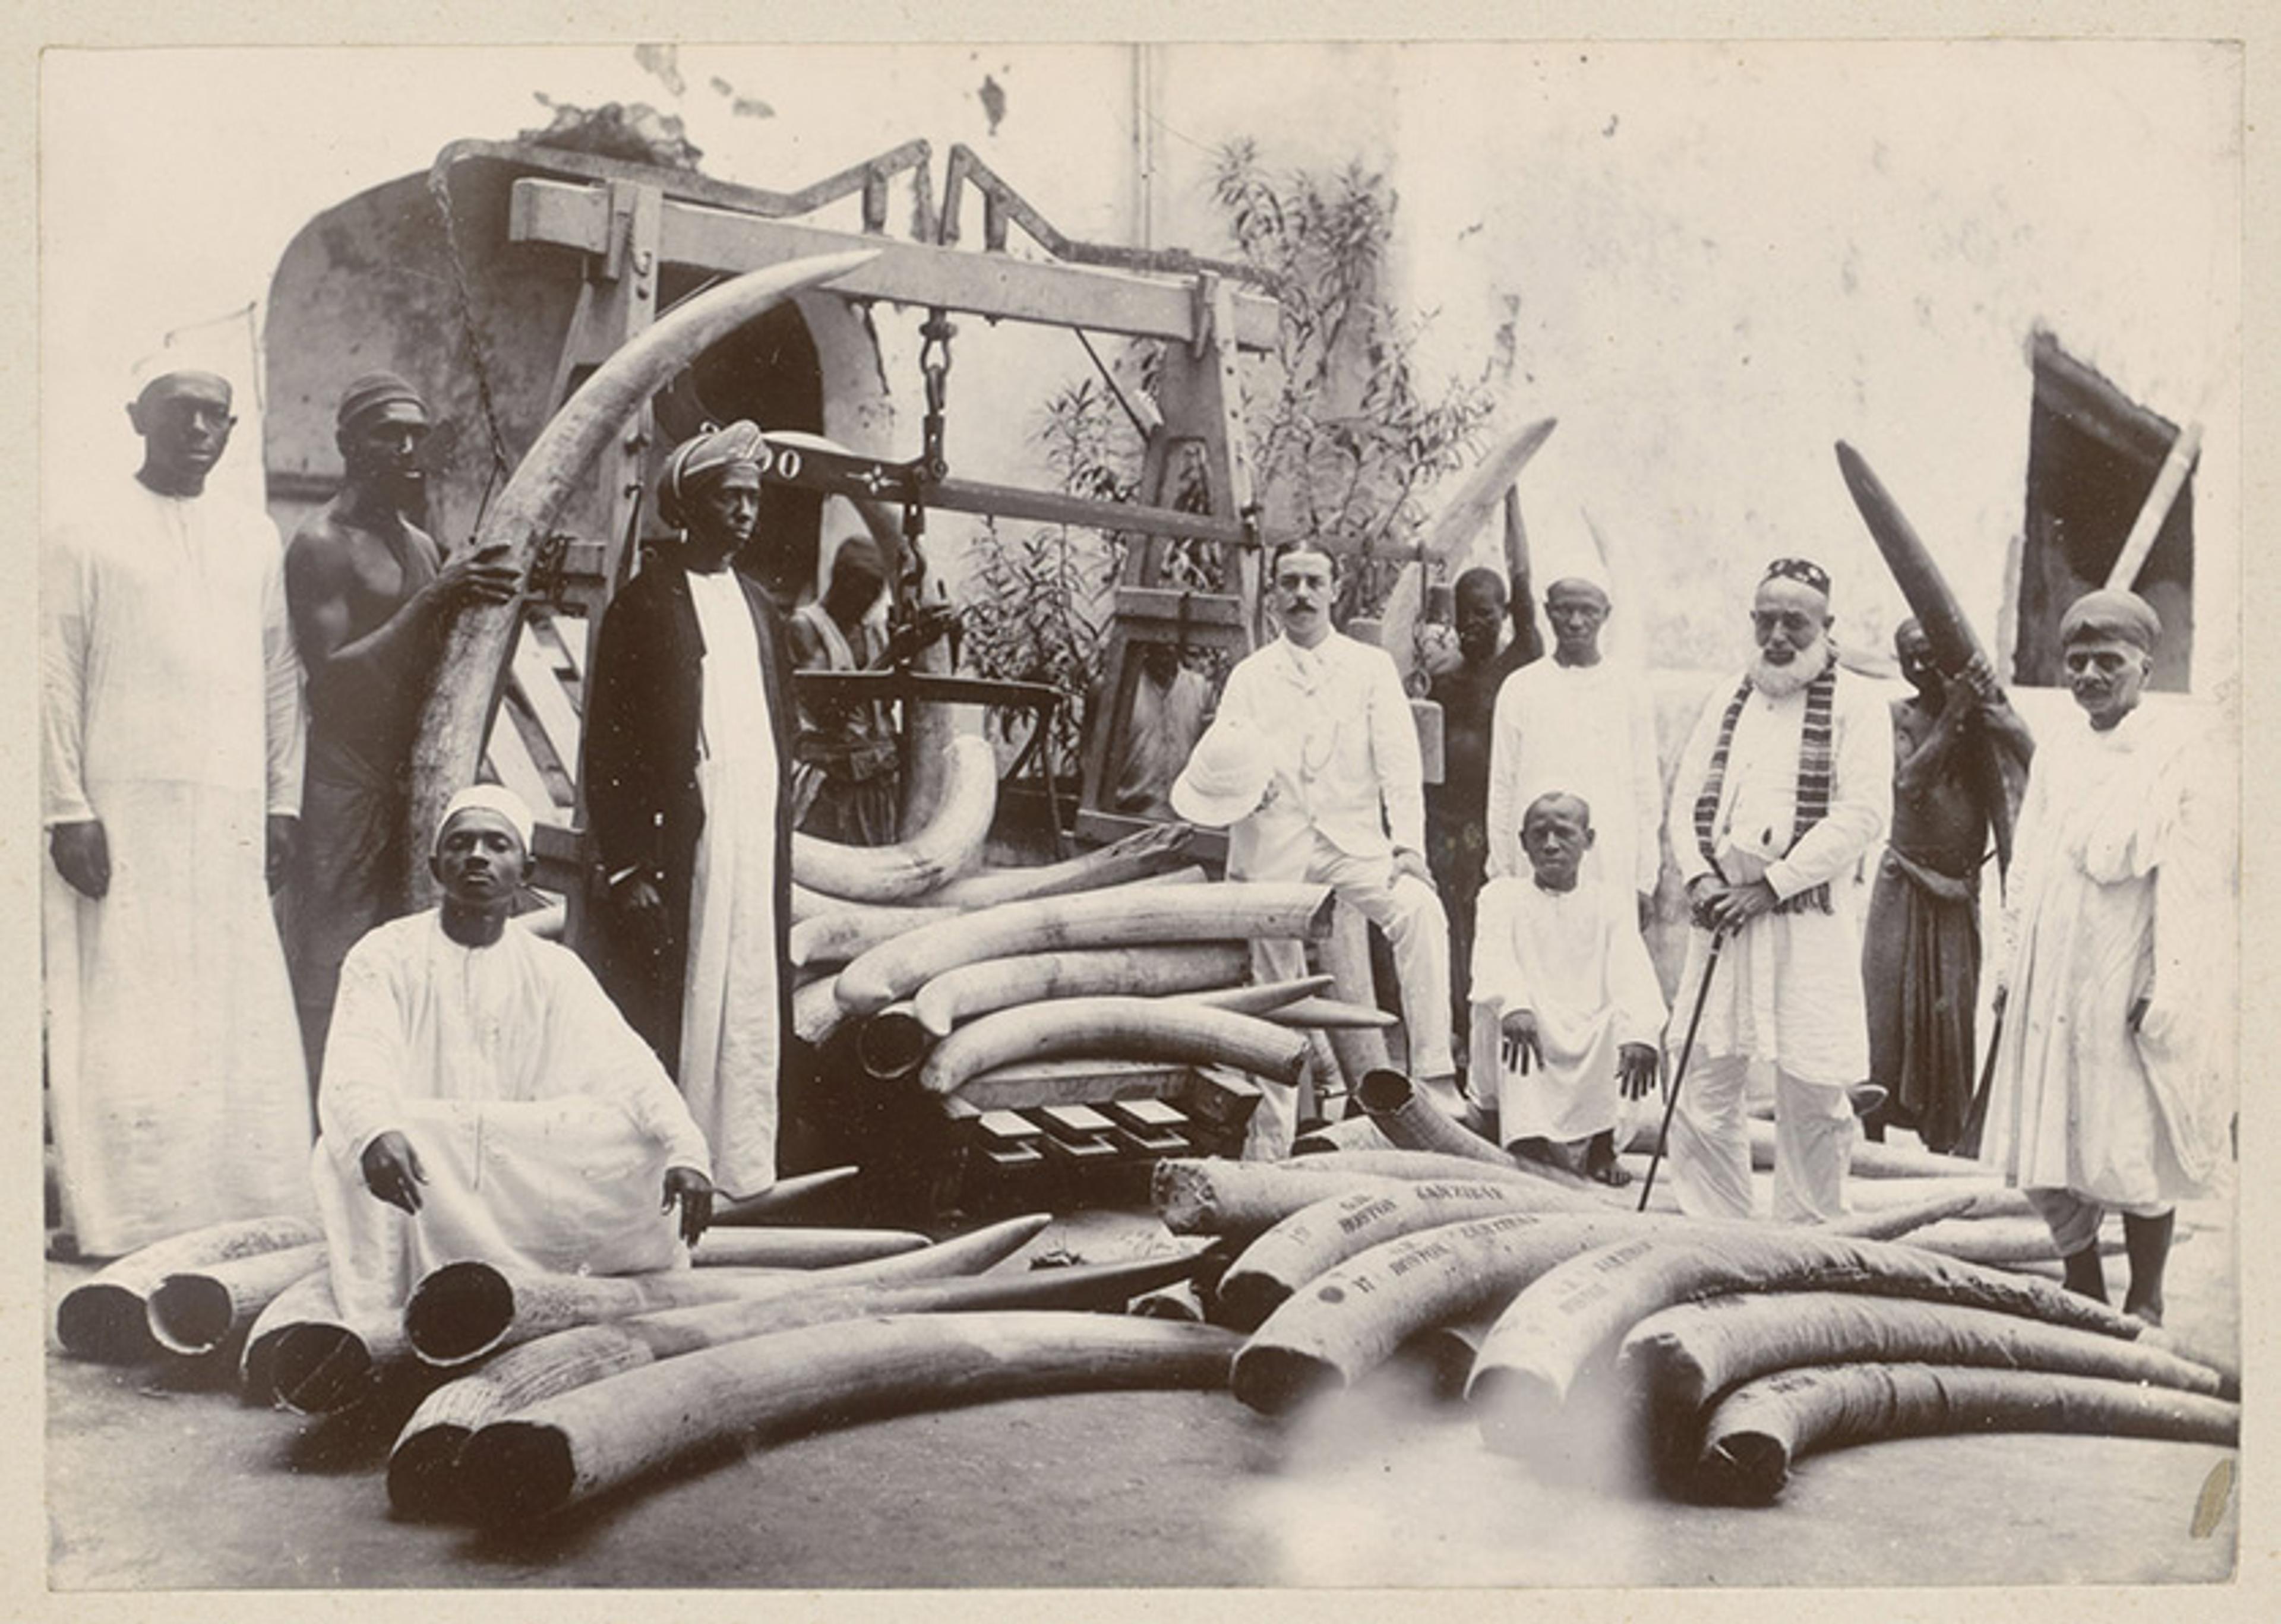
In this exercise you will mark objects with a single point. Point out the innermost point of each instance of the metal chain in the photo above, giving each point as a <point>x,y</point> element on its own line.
<point>934,366</point>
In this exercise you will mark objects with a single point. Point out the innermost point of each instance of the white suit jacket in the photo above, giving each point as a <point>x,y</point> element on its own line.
<point>1346,762</point>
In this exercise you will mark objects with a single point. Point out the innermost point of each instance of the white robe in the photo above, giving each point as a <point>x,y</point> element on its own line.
<point>2117,891</point>
<point>1579,963</point>
<point>170,709</point>
<point>730,1044</point>
<point>1788,988</point>
<point>544,1123</point>
<point>1588,730</point>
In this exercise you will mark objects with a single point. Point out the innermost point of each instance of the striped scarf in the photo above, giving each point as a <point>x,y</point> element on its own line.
<point>1816,776</point>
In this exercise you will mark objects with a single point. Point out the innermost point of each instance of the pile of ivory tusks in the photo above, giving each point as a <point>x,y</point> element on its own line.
<point>1714,1354</point>
<point>953,970</point>
<point>537,1391</point>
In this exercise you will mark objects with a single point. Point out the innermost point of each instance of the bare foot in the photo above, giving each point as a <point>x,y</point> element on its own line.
<point>1610,1173</point>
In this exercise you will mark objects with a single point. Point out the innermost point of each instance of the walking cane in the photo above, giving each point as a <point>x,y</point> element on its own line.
<point>1679,1073</point>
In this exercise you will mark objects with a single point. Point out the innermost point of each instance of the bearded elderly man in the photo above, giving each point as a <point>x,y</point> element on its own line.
<point>170,774</point>
<point>483,1098</point>
<point>1331,729</point>
<point>1784,786</point>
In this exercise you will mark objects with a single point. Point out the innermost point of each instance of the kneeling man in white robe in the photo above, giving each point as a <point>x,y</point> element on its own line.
<point>482,1099</point>
<point>1561,968</point>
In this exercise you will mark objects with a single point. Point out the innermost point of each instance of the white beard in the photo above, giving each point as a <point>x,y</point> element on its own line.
<point>1779,682</point>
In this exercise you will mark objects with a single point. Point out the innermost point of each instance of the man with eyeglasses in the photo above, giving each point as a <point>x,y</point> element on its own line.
<point>1345,806</point>
<point>1784,787</point>
<point>170,778</point>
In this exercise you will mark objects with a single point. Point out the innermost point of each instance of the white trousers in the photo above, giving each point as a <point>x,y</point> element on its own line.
<point>1410,912</point>
<point>1711,1143</point>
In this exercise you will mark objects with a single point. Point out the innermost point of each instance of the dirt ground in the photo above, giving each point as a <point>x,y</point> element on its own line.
<point>160,1482</point>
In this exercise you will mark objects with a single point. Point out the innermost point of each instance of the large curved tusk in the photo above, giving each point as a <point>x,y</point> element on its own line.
<point>1150,851</point>
<point>1758,1430</point>
<point>1347,1320</point>
<point>1999,1243</point>
<point>1229,911</point>
<point>1260,998</point>
<point>1405,1117</point>
<point>577,1444</point>
<point>419,1479</point>
<point>1316,1240</point>
<point>851,931</point>
<point>1464,513</point>
<point>196,1310</point>
<point>1113,1029</point>
<point>801,1248</point>
<point>1000,984</point>
<point>1330,1015</point>
<point>464,1311</point>
<point>1352,1133</point>
<point>479,641</point>
<point>816,1011</point>
<point>1345,953</point>
<point>947,842</point>
<point>784,1196</point>
<point>1675,1362</point>
<point>1545,1339</point>
<point>106,1316</point>
<point>303,1354</point>
<point>1585,1196</point>
<point>1891,1223</point>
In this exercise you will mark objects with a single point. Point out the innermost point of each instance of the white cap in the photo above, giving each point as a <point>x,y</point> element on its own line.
<point>491,798</point>
<point>1225,778</point>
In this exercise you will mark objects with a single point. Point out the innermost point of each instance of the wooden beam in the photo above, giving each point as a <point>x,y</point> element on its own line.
<point>996,285</point>
<point>1052,507</point>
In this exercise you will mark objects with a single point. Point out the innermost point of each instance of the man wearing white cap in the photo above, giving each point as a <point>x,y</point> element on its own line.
<point>170,775</point>
<point>1783,789</point>
<point>370,596</point>
<point>483,1098</point>
<point>1321,782</point>
<point>1574,722</point>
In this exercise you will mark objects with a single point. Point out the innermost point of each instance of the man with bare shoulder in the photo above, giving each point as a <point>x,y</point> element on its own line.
<point>369,597</point>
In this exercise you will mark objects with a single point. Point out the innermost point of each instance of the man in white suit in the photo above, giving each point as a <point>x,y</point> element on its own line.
<point>1345,805</point>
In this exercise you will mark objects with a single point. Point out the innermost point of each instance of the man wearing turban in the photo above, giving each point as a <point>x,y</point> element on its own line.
<point>369,598</point>
<point>170,775</point>
<point>1783,789</point>
<point>688,752</point>
<point>2110,1088</point>
<point>482,1099</point>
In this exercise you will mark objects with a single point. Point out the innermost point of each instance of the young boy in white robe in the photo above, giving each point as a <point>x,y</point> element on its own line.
<point>1564,972</point>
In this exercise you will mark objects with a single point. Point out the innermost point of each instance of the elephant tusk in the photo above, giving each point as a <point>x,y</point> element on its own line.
<point>463,1310</point>
<point>802,1247</point>
<point>1127,917</point>
<point>1000,984</point>
<point>420,1466</point>
<point>1262,998</point>
<point>1759,1430</point>
<point>1677,1360</point>
<point>1345,953</point>
<point>478,643</point>
<point>1113,1028</point>
<point>947,842</point>
<point>578,1444</point>
<point>106,1317</point>
<point>1316,1240</point>
<point>1347,1320</point>
<point>1150,850</point>
<point>196,1310</point>
<point>785,1195</point>
<point>1549,1334</point>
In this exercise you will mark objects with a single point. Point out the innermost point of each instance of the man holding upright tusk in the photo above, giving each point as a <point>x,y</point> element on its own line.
<point>370,597</point>
<point>170,778</point>
<point>1785,785</point>
<point>688,737</point>
<point>2109,1088</point>
<point>1328,726</point>
<point>1957,744</point>
<point>481,1099</point>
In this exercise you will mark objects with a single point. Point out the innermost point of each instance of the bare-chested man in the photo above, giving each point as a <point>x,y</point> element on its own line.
<point>370,599</point>
<point>1920,952</point>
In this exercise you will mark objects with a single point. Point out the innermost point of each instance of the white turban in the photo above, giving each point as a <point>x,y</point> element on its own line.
<point>491,798</point>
